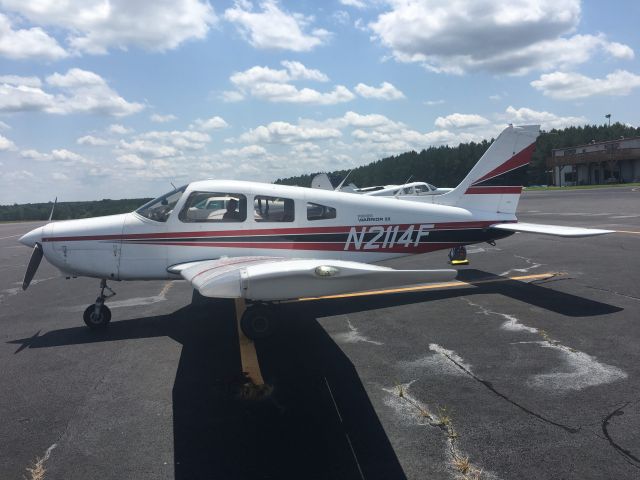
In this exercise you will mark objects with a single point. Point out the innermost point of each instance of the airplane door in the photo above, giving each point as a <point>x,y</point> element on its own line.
<point>144,253</point>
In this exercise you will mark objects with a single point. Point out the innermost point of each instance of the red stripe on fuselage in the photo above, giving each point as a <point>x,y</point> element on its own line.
<point>491,190</point>
<point>267,231</point>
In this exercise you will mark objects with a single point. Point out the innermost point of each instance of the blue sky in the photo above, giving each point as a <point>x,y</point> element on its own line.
<point>118,98</point>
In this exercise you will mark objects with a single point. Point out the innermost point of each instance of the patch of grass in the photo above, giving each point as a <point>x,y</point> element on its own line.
<point>462,464</point>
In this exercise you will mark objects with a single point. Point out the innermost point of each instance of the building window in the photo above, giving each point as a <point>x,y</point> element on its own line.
<point>273,209</point>
<point>315,211</point>
<point>214,207</point>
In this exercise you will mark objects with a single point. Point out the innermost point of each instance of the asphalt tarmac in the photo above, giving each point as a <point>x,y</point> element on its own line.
<point>531,378</point>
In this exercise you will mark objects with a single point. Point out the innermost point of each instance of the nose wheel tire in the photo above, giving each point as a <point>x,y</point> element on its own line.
<point>97,318</point>
<point>257,322</point>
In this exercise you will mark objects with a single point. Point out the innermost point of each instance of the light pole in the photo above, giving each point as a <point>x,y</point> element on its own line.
<point>608,115</point>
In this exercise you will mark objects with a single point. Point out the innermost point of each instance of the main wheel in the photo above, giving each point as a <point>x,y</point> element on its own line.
<point>257,322</point>
<point>96,321</point>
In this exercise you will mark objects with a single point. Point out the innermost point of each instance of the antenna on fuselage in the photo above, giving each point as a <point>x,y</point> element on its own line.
<point>53,208</point>
<point>339,187</point>
<point>403,185</point>
<point>174,187</point>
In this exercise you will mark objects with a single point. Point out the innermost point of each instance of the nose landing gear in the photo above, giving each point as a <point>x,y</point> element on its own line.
<point>98,315</point>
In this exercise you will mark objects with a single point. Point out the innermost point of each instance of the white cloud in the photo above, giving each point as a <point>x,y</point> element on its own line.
<point>59,177</point>
<point>4,126</point>
<point>82,92</point>
<point>546,120</point>
<point>386,91</point>
<point>18,175</point>
<point>157,118</point>
<point>27,43</point>
<point>91,140</point>
<point>284,132</point>
<point>35,155</point>
<point>354,3</point>
<point>272,85</point>
<point>273,28</point>
<point>232,96</point>
<point>245,152</point>
<point>118,129</point>
<point>6,144</point>
<point>131,160</point>
<point>461,120</point>
<point>503,36</point>
<point>16,80</point>
<point>95,26</point>
<point>570,86</point>
<point>213,123</point>
<point>69,158</point>
<point>433,103</point>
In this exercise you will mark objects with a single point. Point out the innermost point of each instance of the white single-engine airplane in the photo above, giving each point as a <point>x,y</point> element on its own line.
<point>267,243</point>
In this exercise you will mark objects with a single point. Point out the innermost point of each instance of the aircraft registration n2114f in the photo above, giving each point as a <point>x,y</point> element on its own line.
<point>266,243</point>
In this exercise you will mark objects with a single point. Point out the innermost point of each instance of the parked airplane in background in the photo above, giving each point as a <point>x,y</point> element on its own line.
<point>412,189</point>
<point>266,243</point>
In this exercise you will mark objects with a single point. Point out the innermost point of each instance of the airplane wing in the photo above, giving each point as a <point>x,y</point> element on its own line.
<point>557,230</point>
<point>274,278</point>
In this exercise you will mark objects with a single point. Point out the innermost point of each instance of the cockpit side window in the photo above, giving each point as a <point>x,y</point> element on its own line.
<point>273,209</point>
<point>160,208</point>
<point>315,211</point>
<point>214,207</point>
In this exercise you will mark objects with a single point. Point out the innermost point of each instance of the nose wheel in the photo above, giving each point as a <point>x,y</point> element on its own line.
<point>98,315</point>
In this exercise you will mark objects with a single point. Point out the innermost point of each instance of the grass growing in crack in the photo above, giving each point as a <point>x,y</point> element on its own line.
<point>37,472</point>
<point>444,420</point>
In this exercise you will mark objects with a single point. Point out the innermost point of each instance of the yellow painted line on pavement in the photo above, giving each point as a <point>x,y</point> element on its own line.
<point>434,286</point>
<point>248,354</point>
<point>627,231</point>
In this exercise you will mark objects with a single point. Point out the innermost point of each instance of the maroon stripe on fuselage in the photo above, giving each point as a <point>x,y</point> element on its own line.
<point>267,231</point>
<point>492,190</point>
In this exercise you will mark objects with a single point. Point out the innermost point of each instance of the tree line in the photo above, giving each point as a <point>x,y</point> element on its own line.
<point>68,210</point>
<point>446,166</point>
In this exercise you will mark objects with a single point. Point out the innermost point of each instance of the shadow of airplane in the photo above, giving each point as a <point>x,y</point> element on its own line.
<point>319,421</point>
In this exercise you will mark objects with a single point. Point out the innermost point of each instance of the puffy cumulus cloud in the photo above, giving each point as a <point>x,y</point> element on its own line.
<point>503,36</point>
<point>245,152</point>
<point>95,26</point>
<point>284,132</point>
<point>79,91</point>
<point>213,123</point>
<point>273,85</point>
<point>274,28</point>
<point>91,140</point>
<point>131,160</point>
<point>6,144</point>
<point>461,120</point>
<point>119,129</point>
<point>157,118</point>
<point>386,91</point>
<point>28,43</point>
<point>69,158</point>
<point>160,144</point>
<point>570,86</point>
<point>35,155</point>
<point>546,120</point>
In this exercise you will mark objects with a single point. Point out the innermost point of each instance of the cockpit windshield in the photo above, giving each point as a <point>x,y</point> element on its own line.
<point>160,208</point>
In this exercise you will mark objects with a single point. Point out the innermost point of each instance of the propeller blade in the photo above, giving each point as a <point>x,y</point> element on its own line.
<point>34,262</point>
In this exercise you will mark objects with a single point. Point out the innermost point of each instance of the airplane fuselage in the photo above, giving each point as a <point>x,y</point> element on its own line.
<point>318,224</point>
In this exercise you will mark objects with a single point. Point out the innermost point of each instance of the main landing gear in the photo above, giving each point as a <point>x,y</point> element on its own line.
<point>258,320</point>
<point>458,256</point>
<point>98,315</point>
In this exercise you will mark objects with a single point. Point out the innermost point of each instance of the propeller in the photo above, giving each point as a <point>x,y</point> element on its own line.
<point>34,263</point>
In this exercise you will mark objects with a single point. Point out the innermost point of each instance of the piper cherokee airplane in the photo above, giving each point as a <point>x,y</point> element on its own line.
<point>266,243</point>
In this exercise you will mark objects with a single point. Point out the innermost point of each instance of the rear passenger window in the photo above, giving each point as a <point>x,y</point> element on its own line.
<point>273,209</point>
<point>214,207</point>
<point>315,211</point>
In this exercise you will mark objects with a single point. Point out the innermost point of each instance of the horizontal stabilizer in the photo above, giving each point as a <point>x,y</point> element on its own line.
<point>557,230</point>
<point>271,278</point>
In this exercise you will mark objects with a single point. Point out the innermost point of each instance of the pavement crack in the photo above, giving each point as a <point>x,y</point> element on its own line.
<point>612,291</point>
<point>629,457</point>
<point>491,388</point>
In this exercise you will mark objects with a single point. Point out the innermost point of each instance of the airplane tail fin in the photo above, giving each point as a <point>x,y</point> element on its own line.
<point>494,184</point>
